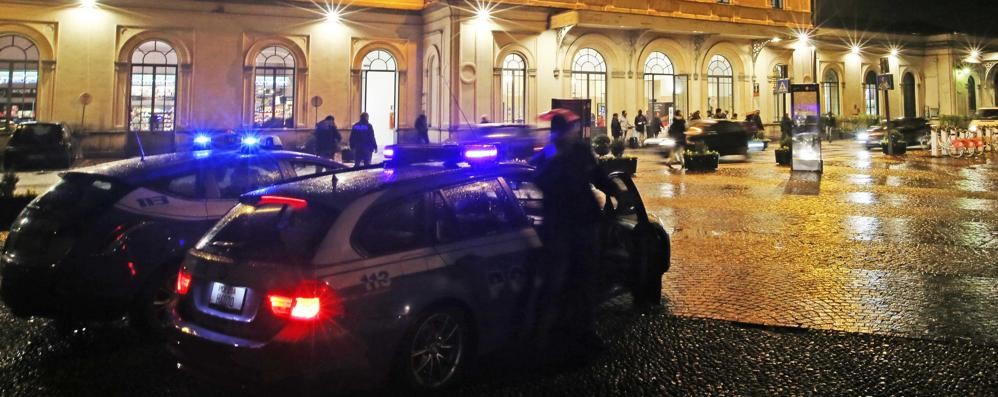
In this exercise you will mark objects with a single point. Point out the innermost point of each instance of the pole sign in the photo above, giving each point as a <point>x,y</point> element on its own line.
<point>885,82</point>
<point>782,86</point>
<point>805,108</point>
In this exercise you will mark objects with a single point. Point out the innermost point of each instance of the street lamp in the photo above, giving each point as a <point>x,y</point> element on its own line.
<point>855,50</point>
<point>88,3</point>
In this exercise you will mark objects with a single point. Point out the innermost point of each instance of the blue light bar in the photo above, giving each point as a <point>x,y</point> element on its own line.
<point>389,152</point>
<point>478,153</point>
<point>202,140</point>
<point>250,141</point>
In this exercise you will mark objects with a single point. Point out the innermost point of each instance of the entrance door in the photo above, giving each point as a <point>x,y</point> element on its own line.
<point>379,97</point>
<point>908,85</point>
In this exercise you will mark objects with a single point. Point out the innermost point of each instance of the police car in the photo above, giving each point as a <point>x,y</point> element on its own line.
<point>402,273</point>
<point>108,239</point>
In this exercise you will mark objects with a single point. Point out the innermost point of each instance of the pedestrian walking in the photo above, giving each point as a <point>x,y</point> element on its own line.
<point>677,131</point>
<point>422,129</point>
<point>564,324</point>
<point>757,121</point>
<point>654,126</point>
<point>640,121</point>
<point>362,141</point>
<point>786,127</point>
<point>625,123</point>
<point>830,126</point>
<point>695,116</point>
<point>327,138</point>
<point>616,130</point>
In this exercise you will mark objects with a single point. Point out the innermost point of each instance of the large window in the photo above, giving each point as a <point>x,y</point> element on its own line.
<point>589,81</point>
<point>514,89</point>
<point>830,89</point>
<point>665,92</point>
<point>972,93</point>
<point>153,90</point>
<point>274,85</point>
<point>380,94</point>
<point>720,85</point>
<point>18,80</point>
<point>871,97</point>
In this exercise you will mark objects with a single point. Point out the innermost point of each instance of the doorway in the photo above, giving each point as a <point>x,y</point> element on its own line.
<point>379,95</point>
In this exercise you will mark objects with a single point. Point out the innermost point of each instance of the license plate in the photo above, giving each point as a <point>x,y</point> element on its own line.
<point>227,297</point>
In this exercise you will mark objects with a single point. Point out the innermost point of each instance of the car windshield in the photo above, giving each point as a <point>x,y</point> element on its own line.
<point>36,134</point>
<point>268,233</point>
<point>986,114</point>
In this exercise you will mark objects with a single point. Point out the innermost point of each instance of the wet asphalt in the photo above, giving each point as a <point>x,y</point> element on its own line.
<point>878,278</point>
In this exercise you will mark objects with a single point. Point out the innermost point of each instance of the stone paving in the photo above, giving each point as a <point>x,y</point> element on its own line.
<point>905,247</point>
<point>877,280</point>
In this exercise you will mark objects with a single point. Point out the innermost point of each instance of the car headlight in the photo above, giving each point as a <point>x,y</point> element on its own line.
<point>862,136</point>
<point>973,128</point>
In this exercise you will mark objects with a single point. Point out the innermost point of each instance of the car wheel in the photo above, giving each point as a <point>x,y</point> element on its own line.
<point>646,286</point>
<point>148,314</point>
<point>435,351</point>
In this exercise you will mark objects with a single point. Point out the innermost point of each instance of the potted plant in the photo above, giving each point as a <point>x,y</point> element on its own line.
<point>900,145</point>
<point>783,154</point>
<point>617,161</point>
<point>601,145</point>
<point>700,159</point>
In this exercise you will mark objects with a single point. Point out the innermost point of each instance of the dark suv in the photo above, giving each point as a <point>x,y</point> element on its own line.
<point>43,145</point>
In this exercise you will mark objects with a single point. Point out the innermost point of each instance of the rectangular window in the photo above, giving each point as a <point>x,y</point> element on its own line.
<point>592,86</point>
<point>153,98</point>
<point>275,97</point>
<point>777,3</point>
<point>831,99</point>
<point>514,107</point>
<point>870,98</point>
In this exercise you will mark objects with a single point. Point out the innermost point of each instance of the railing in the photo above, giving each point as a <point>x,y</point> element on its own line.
<point>962,142</point>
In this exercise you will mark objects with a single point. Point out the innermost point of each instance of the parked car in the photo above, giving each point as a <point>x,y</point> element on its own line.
<point>916,131</point>
<point>403,274</point>
<point>984,118</point>
<point>107,240</point>
<point>723,136</point>
<point>40,145</point>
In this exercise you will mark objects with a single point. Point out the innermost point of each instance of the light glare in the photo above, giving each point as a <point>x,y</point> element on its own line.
<point>88,3</point>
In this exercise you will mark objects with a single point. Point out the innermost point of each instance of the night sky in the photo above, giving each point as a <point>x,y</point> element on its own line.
<point>911,16</point>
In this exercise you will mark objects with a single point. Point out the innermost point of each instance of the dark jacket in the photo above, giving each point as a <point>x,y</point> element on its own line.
<point>786,126</point>
<point>677,130</point>
<point>615,129</point>
<point>327,137</point>
<point>362,137</point>
<point>422,130</point>
<point>639,123</point>
<point>564,176</point>
<point>757,121</point>
<point>655,126</point>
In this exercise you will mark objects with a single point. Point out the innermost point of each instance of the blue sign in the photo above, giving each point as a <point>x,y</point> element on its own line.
<point>783,86</point>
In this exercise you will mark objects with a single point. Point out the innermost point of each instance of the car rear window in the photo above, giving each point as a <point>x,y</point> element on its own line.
<point>986,114</point>
<point>268,233</point>
<point>38,134</point>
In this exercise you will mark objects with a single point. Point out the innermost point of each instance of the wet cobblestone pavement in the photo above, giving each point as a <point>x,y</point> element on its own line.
<point>879,280</point>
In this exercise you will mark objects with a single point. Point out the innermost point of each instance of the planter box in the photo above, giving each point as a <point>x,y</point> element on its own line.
<point>700,162</point>
<point>783,156</point>
<point>10,208</point>
<point>899,148</point>
<point>627,165</point>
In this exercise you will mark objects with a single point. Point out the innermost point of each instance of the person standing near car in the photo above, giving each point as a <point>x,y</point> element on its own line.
<point>616,131</point>
<point>422,129</point>
<point>327,138</point>
<point>563,302</point>
<point>362,141</point>
<point>654,126</point>
<point>677,131</point>
<point>640,121</point>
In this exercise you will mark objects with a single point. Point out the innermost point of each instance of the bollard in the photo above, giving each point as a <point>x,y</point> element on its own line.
<point>934,142</point>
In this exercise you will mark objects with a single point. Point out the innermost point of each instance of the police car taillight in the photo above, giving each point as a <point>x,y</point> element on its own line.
<point>294,203</point>
<point>183,282</point>
<point>312,300</point>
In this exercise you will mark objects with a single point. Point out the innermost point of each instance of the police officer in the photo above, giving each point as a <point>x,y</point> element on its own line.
<point>327,138</point>
<point>362,141</point>
<point>564,302</point>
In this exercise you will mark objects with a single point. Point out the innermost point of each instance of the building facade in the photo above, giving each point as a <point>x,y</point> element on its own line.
<point>111,67</point>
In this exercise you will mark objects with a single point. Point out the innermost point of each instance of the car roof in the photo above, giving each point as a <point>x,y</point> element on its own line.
<point>137,170</point>
<point>352,184</point>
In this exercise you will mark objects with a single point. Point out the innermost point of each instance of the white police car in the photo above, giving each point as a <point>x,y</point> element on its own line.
<point>403,273</point>
<point>108,239</point>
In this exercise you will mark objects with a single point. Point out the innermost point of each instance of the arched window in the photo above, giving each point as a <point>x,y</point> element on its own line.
<point>514,89</point>
<point>153,90</point>
<point>664,91</point>
<point>972,93</point>
<point>18,80</point>
<point>380,94</point>
<point>720,84</point>
<point>589,82</point>
<point>830,88</point>
<point>274,85</point>
<point>871,97</point>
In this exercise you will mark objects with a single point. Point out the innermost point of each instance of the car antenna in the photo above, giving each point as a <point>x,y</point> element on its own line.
<point>142,151</point>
